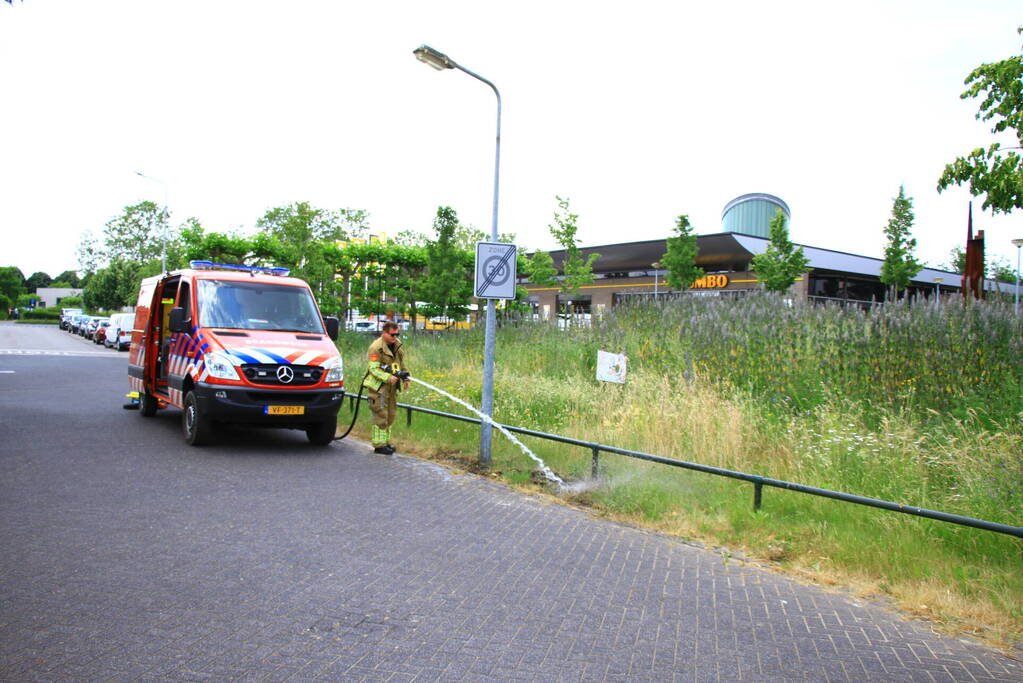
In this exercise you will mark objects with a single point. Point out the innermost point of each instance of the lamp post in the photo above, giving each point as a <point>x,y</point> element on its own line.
<point>440,61</point>
<point>163,231</point>
<point>656,266</point>
<point>937,290</point>
<point>1018,243</point>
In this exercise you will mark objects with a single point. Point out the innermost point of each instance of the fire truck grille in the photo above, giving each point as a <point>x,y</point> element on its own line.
<point>267,373</point>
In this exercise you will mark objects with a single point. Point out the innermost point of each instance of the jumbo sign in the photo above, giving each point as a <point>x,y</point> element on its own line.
<point>711,282</point>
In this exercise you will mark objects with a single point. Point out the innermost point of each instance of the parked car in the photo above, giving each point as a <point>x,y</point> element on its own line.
<point>66,315</point>
<point>364,326</point>
<point>76,323</point>
<point>89,328</point>
<point>119,333</point>
<point>101,331</point>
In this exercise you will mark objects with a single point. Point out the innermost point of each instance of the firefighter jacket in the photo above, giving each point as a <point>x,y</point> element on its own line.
<point>384,361</point>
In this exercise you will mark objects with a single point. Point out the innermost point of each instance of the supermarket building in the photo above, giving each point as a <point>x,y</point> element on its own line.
<point>631,270</point>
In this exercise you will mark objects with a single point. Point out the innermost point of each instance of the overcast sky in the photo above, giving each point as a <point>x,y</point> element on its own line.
<point>636,112</point>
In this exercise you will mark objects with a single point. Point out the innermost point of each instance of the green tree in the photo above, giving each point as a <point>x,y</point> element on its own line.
<point>295,235</point>
<point>406,270</point>
<point>956,260</point>
<point>115,286</point>
<point>900,265</point>
<point>576,271</point>
<point>300,228</point>
<point>69,277</point>
<point>138,234</point>
<point>680,257</point>
<point>783,262</point>
<point>540,269</point>
<point>447,286</point>
<point>1000,270</point>
<point>12,282</point>
<point>994,172</point>
<point>37,280</point>
<point>90,255</point>
<point>197,244</point>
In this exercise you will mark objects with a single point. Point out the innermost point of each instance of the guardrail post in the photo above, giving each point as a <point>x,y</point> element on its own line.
<point>595,464</point>
<point>408,417</point>
<point>758,492</point>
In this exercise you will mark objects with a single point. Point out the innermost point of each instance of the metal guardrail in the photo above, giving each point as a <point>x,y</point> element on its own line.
<point>758,481</point>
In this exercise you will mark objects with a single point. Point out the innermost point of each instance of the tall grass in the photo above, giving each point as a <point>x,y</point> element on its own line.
<point>917,404</point>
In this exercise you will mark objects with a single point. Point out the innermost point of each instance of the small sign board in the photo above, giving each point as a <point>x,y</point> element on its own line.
<point>611,367</point>
<point>495,271</point>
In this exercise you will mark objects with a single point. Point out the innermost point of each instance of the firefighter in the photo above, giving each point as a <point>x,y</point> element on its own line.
<point>387,374</point>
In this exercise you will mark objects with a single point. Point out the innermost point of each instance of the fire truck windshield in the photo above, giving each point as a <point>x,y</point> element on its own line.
<point>256,306</point>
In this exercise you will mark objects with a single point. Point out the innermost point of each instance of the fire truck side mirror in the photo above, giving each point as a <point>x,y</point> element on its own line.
<point>333,326</point>
<point>177,320</point>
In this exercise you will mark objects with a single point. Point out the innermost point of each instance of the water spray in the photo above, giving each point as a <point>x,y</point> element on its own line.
<point>403,375</point>
<point>544,469</point>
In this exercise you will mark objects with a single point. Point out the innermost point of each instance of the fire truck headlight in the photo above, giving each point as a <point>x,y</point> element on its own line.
<point>335,370</point>
<point>219,366</point>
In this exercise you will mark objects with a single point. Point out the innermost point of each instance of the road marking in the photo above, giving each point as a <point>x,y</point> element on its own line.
<point>49,352</point>
<point>6,372</point>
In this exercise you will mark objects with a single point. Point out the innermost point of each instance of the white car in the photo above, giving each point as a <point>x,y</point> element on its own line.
<point>119,332</point>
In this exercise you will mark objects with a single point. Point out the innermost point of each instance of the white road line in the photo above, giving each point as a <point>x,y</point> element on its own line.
<point>51,352</point>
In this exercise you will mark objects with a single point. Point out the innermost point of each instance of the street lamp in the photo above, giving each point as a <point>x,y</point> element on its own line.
<point>163,230</point>
<point>656,266</point>
<point>937,289</point>
<point>440,61</point>
<point>1018,243</point>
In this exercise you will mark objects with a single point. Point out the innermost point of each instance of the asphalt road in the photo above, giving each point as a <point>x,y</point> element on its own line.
<point>126,555</point>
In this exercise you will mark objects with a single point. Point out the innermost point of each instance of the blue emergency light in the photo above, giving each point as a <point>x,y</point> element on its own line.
<point>210,265</point>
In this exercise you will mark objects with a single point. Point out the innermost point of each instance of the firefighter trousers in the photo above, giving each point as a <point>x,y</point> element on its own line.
<point>384,404</point>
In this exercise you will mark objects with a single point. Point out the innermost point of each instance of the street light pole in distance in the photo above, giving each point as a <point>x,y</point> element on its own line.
<point>1017,243</point>
<point>166,214</point>
<point>440,61</point>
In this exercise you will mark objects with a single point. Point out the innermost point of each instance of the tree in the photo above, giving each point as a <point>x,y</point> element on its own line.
<point>994,172</point>
<point>575,270</point>
<point>37,280</point>
<point>779,266</point>
<point>115,286</point>
<point>900,266</point>
<point>197,244</point>
<point>90,254</point>
<point>139,234</point>
<point>12,282</point>
<point>295,235</point>
<point>69,277</point>
<point>680,257</point>
<point>540,269</point>
<point>956,260</point>
<point>447,287</point>
<point>1000,270</point>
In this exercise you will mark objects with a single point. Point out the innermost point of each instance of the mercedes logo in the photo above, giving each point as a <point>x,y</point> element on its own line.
<point>285,374</point>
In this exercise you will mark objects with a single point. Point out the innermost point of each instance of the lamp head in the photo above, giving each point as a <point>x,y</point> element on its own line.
<point>1018,242</point>
<point>438,60</point>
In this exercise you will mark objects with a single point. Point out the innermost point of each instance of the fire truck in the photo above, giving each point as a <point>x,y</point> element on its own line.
<point>235,344</point>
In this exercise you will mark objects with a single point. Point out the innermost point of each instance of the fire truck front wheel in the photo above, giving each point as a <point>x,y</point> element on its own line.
<point>147,404</point>
<point>196,426</point>
<point>321,433</point>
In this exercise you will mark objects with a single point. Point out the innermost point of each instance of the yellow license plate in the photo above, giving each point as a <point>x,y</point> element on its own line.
<point>285,410</point>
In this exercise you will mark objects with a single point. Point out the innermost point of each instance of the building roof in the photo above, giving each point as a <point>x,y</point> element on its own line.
<point>733,251</point>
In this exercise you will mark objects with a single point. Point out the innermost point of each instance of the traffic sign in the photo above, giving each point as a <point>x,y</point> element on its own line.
<point>495,271</point>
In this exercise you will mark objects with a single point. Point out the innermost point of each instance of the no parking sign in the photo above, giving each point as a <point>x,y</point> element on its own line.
<point>495,271</point>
